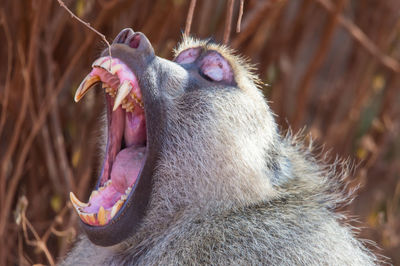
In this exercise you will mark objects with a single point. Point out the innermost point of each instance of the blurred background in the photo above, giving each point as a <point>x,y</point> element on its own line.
<point>332,66</point>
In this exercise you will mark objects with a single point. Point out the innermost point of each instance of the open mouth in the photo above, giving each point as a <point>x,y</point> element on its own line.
<point>126,145</point>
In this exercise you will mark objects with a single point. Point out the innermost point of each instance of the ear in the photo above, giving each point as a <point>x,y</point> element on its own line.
<point>216,67</point>
<point>188,56</point>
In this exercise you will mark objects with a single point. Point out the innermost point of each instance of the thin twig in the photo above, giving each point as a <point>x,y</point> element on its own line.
<point>251,22</point>
<point>7,34</point>
<point>362,38</point>
<point>239,21</point>
<point>228,21</point>
<point>190,17</point>
<point>58,219</point>
<point>13,143</point>
<point>38,242</point>
<point>103,37</point>
<point>5,97</point>
<point>54,115</point>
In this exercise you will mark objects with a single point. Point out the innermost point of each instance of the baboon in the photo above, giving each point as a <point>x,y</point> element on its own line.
<point>195,170</point>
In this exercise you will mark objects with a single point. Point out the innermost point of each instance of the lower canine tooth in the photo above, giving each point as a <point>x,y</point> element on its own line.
<point>77,203</point>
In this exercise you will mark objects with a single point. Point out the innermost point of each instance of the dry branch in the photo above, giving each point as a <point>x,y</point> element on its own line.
<point>251,22</point>
<point>103,37</point>
<point>6,91</point>
<point>239,21</point>
<point>228,21</point>
<point>189,17</point>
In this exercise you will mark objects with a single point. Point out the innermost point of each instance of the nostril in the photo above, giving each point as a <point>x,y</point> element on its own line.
<point>123,36</point>
<point>135,41</point>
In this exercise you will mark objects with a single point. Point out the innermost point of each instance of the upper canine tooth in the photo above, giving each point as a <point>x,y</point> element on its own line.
<point>123,91</point>
<point>77,203</point>
<point>85,85</point>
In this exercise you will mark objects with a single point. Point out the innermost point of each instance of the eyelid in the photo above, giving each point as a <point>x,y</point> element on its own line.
<point>188,56</point>
<point>216,67</point>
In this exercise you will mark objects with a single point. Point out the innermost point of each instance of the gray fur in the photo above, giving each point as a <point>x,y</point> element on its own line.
<point>229,190</point>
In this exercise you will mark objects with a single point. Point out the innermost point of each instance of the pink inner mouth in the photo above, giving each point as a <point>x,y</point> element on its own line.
<point>126,145</point>
<point>122,165</point>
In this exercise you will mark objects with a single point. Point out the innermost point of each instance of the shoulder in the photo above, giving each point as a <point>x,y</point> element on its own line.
<point>259,234</point>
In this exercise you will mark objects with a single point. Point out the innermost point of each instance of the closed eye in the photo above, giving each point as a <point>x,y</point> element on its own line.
<point>216,68</point>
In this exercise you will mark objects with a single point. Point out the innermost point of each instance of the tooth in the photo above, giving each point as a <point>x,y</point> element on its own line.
<point>137,99</point>
<point>77,203</point>
<point>83,217</point>
<point>115,69</point>
<point>94,194</point>
<point>107,183</point>
<point>105,86</point>
<point>98,61</point>
<point>123,91</point>
<point>124,197</point>
<point>85,85</point>
<point>117,206</point>
<point>106,64</point>
<point>88,218</point>
<point>128,190</point>
<point>101,216</point>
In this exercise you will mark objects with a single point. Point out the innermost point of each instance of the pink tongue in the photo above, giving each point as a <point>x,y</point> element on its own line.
<point>126,167</point>
<point>128,161</point>
<point>124,173</point>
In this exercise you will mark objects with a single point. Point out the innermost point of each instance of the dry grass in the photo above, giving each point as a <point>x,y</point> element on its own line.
<point>333,67</point>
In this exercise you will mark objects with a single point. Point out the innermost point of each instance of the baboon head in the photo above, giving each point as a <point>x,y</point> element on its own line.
<point>191,135</point>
